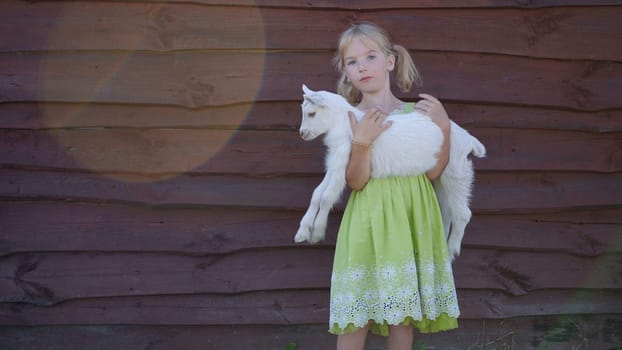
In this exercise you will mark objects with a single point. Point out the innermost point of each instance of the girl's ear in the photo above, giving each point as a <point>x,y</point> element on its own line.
<point>391,62</point>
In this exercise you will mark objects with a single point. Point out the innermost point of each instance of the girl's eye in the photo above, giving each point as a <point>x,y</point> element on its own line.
<point>371,57</point>
<point>349,63</point>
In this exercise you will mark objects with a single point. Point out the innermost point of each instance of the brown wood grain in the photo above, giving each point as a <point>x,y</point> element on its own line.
<point>288,308</point>
<point>584,233</point>
<point>491,191</point>
<point>522,332</point>
<point>51,278</point>
<point>47,279</point>
<point>198,79</point>
<point>494,192</point>
<point>204,151</point>
<point>152,179</point>
<point>370,4</point>
<point>280,116</point>
<point>518,273</point>
<point>85,227</point>
<point>586,32</point>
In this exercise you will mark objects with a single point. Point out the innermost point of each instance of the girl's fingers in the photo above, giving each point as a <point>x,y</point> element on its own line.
<point>374,114</point>
<point>423,108</point>
<point>422,105</point>
<point>386,125</point>
<point>429,98</point>
<point>371,114</point>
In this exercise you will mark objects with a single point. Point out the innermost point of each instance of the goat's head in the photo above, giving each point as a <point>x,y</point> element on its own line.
<point>320,111</point>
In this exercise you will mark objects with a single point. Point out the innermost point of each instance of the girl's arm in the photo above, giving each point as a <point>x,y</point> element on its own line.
<point>433,108</point>
<point>364,133</point>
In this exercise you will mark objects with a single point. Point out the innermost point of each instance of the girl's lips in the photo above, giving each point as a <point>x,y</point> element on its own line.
<point>364,79</point>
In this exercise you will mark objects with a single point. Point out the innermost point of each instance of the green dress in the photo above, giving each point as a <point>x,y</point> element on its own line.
<point>391,262</point>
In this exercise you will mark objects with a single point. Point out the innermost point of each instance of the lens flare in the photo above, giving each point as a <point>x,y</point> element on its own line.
<point>149,92</point>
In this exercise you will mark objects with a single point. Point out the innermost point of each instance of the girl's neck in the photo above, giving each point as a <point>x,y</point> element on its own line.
<point>385,101</point>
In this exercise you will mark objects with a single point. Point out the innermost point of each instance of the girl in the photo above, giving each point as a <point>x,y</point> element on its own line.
<point>391,271</point>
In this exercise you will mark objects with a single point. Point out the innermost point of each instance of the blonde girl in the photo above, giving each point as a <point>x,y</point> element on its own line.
<point>392,271</point>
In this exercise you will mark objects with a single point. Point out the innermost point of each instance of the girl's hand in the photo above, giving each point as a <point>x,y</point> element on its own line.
<point>371,125</point>
<point>433,108</point>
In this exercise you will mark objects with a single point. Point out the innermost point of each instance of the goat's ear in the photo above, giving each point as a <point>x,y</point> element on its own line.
<point>306,90</point>
<point>315,99</point>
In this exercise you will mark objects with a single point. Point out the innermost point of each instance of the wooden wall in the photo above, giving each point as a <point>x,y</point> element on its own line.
<point>152,177</point>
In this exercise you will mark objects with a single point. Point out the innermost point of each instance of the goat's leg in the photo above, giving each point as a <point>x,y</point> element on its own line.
<point>458,225</point>
<point>453,190</point>
<point>308,220</point>
<point>328,199</point>
<point>441,196</point>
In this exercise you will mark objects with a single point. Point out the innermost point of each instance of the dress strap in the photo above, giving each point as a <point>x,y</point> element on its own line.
<point>409,107</point>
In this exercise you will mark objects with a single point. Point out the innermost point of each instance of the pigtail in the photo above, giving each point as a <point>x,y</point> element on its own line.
<point>345,89</point>
<point>405,73</point>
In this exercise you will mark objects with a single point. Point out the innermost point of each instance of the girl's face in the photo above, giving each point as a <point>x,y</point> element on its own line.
<point>366,66</point>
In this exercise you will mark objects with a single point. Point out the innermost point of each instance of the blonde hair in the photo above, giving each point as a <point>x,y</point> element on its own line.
<point>405,73</point>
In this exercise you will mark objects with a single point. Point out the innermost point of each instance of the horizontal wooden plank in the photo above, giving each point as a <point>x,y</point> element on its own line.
<point>287,308</point>
<point>523,117</point>
<point>511,149</point>
<point>158,151</point>
<point>84,227</point>
<point>584,233</point>
<point>197,79</point>
<point>38,227</point>
<point>166,190</point>
<point>570,33</point>
<point>69,115</point>
<point>280,116</point>
<point>369,4</point>
<point>494,192</point>
<point>554,332</point>
<point>46,279</point>
<point>518,273</point>
<point>51,278</point>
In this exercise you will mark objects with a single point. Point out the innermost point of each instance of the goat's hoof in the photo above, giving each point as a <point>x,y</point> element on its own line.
<point>317,236</point>
<point>302,236</point>
<point>454,251</point>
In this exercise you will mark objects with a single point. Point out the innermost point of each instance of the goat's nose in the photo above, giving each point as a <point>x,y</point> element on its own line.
<point>303,133</point>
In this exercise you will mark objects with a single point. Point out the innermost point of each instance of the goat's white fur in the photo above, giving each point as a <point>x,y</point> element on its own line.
<point>409,147</point>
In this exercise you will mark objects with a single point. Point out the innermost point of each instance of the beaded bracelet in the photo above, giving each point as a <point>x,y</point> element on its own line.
<point>366,145</point>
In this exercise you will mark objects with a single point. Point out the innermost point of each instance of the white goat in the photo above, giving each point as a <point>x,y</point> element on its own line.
<point>408,147</point>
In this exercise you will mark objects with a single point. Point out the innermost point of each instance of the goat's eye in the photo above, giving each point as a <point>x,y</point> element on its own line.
<point>311,114</point>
